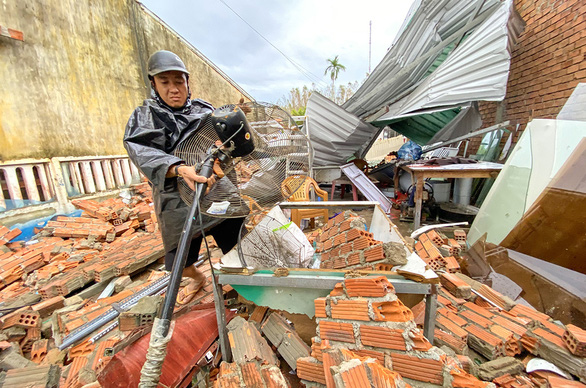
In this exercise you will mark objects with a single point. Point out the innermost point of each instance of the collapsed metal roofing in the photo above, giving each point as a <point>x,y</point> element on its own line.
<point>335,134</point>
<point>447,54</point>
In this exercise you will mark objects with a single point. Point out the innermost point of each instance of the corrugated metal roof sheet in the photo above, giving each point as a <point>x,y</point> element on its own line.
<point>335,134</point>
<point>403,81</point>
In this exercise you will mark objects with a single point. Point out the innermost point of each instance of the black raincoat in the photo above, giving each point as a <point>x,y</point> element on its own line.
<point>153,131</point>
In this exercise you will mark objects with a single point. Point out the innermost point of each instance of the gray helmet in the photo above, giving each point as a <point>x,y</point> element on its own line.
<point>163,60</point>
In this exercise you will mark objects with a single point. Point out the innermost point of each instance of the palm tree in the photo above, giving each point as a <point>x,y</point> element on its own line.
<point>334,68</point>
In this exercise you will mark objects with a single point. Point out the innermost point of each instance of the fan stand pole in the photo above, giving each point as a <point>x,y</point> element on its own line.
<point>162,327</point>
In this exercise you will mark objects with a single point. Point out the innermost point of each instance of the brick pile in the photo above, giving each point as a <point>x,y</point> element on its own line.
<point>47,289</point>
<point>439,252</point>
<point>255,364</point>
<point>344,243</point>
<point>365,317</point>
<point>468,321</point>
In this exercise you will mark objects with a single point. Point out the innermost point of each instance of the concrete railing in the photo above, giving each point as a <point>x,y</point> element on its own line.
<point>53,182</point>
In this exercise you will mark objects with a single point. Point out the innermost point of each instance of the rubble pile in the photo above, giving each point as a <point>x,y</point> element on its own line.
<point>365,316</point>
<point>344,243</point>
<point>71,272</point>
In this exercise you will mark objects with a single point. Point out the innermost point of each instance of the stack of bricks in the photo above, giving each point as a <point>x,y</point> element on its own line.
<point>79,227</point>
<point>495,327</point>
<point>365,316</point>
<point>345,244</point>
<point>7,235</point>
<point>439,252</point>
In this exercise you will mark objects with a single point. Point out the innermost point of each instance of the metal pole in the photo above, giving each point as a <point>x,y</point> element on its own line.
<point>161,331</point>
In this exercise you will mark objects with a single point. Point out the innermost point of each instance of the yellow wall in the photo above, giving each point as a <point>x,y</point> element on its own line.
<point>69,88</point>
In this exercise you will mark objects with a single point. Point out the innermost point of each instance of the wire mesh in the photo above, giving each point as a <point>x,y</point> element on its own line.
<point>252,183</point>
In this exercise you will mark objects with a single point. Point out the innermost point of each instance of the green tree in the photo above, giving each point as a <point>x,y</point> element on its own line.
<point>334,68</point>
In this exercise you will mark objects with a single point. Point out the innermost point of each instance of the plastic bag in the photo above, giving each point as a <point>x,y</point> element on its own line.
<point>410,151</point>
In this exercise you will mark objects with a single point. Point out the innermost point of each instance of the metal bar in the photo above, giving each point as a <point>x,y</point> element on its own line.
<point>221,320</point>
<point>326,204</point>
<point>366,186</point>
<point>89,327</point>
<point>312,281</point>
<point>468,136</point>
<point>430,313</point>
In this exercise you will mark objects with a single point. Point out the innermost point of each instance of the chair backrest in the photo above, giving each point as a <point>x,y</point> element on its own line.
<point>298,187</point>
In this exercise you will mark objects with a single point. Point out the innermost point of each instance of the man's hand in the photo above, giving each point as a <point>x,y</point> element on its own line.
<point>190,176</point>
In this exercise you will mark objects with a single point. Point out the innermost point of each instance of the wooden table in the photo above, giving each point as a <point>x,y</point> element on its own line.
<point>419,172</point>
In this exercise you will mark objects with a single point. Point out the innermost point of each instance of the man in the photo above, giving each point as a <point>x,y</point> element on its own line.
<point>153,131</point>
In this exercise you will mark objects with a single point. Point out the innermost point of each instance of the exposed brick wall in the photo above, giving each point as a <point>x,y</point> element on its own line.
<point>546,65</point>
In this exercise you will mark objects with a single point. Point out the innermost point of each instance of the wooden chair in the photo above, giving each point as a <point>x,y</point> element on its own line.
<point>298,188</point>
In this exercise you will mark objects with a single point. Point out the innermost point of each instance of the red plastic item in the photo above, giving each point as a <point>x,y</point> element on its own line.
<point>193,334</point>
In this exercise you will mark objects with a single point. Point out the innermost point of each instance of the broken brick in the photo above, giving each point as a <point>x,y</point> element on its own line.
<point>456,286</point>
<point>393,311</point>
<point>371,286</point>
<point>39,350</point>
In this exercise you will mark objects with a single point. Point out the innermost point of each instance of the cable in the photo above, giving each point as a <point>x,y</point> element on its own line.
<point>299,68</point>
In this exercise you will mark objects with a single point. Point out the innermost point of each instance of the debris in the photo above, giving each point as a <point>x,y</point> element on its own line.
<point>288,343</point>
<point>499,367</point>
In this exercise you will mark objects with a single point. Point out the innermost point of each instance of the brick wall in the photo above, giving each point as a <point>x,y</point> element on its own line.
<point>546,65</point>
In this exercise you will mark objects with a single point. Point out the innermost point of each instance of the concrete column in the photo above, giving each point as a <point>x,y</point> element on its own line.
<point>124,164</point>
<point>117,172</point>
<point>42,169</point>
<point>78,178</point>
<point>87,176</point>
<point>30,184</point>
<point>2,200</point>
<point>60,186</point>
<point>108,176</point>
<point>135,172</point>
<point>13,185</point>
<point>98,175</point>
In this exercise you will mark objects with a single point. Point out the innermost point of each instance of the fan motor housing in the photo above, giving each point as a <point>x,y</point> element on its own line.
<point>229,120</point>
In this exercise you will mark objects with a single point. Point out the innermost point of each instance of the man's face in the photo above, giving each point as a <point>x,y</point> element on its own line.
<point>172,87</point>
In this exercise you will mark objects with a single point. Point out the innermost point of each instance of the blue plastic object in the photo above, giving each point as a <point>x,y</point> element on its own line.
<point>410,151</point>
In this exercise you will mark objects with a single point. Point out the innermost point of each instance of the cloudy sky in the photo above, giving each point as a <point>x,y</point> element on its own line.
<point>308,32</point>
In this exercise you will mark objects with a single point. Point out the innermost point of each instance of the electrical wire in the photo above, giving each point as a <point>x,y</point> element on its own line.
<point>309,75</point>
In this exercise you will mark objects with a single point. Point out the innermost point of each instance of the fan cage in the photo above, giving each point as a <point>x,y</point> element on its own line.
<point>253,183</point>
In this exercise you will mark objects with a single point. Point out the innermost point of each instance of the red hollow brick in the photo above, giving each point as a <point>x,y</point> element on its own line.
<point>419,369</point>
<point>350,309</point>
<point>336,331</point>
<point>382,337</point>
<point>371,286</point>
<point>575,339</point>
<point>374,253</point>
<point>320,307</point>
